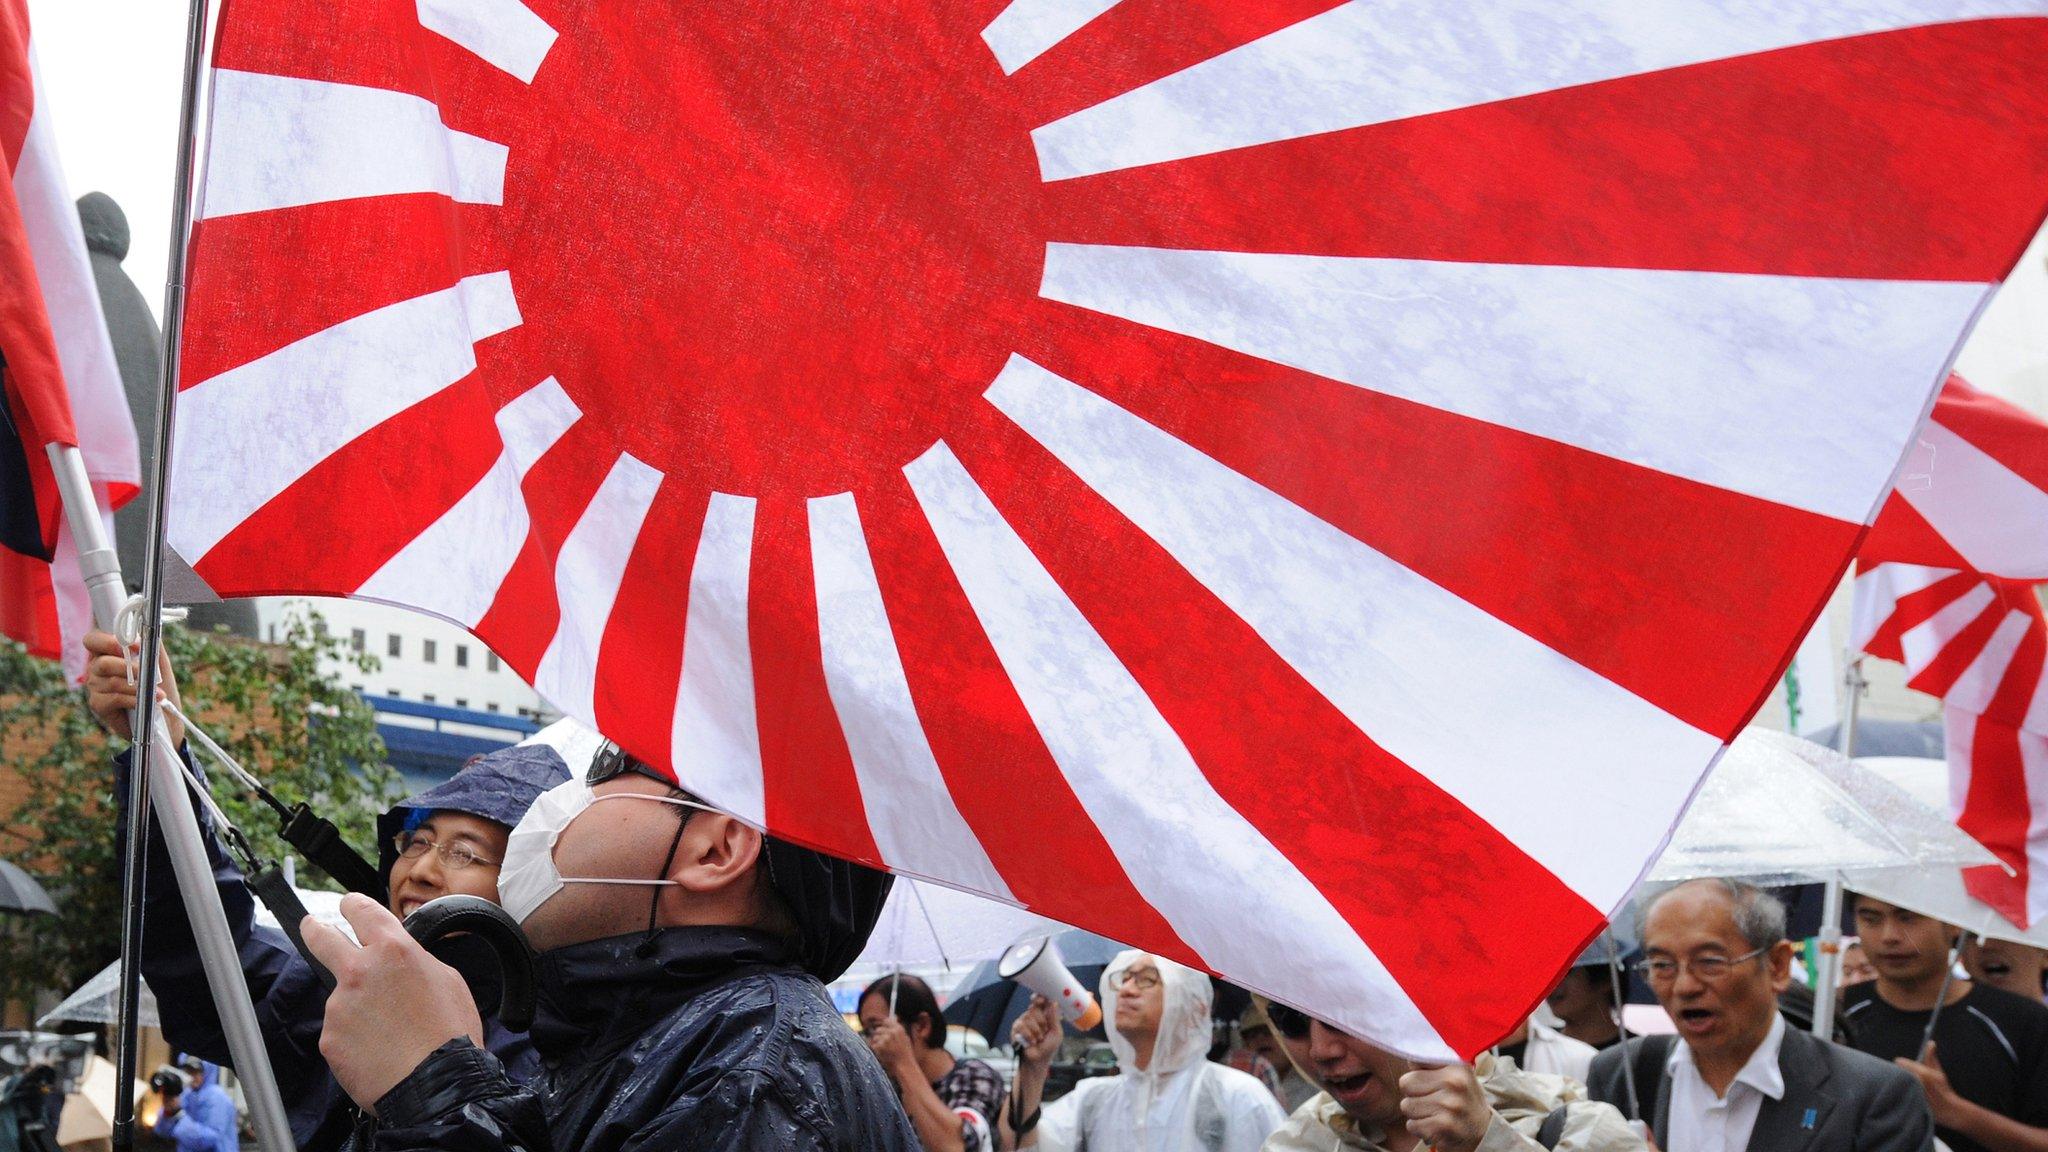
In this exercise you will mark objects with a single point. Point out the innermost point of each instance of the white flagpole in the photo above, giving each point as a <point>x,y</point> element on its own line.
<point>154,756</point>
<point>1829,978</point>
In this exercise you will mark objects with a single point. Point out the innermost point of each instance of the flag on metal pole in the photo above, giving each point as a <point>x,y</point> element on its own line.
<point>1305,488</point>
<point>57,370</point>
<point>1950,585</point>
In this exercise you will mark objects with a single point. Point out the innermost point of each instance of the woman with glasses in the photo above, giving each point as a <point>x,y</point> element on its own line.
<point>1167,1096</point>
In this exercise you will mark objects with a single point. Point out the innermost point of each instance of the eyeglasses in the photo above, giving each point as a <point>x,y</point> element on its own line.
<point>1289,1022</point>
<point>1663,970</point>
<point>612,762</point>
<point>455,854</point>
<point>1142,981</point>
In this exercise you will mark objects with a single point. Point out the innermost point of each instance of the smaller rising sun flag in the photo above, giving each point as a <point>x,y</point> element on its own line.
<point>1950,585</point>
<point>58,381</point>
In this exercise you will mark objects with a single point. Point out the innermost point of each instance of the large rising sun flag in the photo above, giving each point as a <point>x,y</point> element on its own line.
<point>1306,488</point>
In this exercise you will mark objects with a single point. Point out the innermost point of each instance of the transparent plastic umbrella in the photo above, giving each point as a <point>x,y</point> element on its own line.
<point>924,924</point>
<point>94,1002</point>
<point>1769,814</point>
<point>1934,890</point>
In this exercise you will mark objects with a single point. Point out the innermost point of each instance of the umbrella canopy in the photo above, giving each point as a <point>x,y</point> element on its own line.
<point>89,1112</point>
<point>1766,813</point>
<point>95,1002</point>
<point>20,893</point>
<point>925,924</point>
<point>1934,890</point>
<point>1919,822</point>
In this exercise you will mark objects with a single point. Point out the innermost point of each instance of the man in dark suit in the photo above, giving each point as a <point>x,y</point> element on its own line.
<point>1736,1078</point>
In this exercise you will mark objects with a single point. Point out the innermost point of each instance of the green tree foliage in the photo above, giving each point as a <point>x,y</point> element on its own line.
<point>303,733</point>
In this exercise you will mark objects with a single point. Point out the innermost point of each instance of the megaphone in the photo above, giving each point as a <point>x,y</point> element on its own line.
<point>1036,964</point>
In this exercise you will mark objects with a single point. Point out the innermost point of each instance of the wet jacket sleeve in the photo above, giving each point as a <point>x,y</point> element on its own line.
<point>290,1001</point>
<point>459,1099</point>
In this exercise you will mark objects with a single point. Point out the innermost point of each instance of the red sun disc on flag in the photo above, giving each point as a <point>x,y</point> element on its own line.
<point>1226,475</point>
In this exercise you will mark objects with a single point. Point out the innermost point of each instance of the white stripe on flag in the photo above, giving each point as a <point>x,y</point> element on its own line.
<point>1187,851</point>
<point>1877,594</point>
<point>248,434</point>
<point>715,743</point>
<point>506,33</point>
<point>1988,512</point>
<point>2034,755</point>
<point>281,142</point>
<point>911,811</point>
<point>92,380</point>
<point>454,568</point>
<point>1794,389</point>
<point>588,570</point>
<point>1974,689</point>
<point>1372,61</point>
<point>1413,666</point>
<point>1027,28</point>
<point>1925,640</point>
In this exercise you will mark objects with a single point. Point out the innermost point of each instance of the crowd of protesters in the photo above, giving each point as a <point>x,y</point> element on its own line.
<point>680,963</point>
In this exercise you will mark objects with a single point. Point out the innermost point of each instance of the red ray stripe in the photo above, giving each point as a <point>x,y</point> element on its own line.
<point>1377,838</point>
<point>1003,780</point>
<point>1902,534</point>
<point>1847,158</point>
<point>358,256</point>
<point>1915,609</point>
<point>2005,432</point>
<point>1957,651</point>
<point>1139,41</point>
<point>354,510</point>
<point>1997,809</point>
<point>522,620</point>
<point>1616,566</point>
<point>810,792</point>
<point>640,661</point>
<point>372,43</point>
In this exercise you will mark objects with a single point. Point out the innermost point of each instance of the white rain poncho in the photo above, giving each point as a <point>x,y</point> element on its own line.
<point>1179,1102</point>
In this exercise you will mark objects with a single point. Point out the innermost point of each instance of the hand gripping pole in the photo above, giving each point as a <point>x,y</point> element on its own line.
<point>172,806</point>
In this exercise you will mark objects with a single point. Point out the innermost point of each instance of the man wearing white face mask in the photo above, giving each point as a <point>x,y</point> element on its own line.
<point>680,954</point>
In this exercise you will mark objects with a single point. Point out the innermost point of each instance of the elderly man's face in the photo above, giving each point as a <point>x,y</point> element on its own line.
<point>1724,1016</point>
<point>1365,1081</point>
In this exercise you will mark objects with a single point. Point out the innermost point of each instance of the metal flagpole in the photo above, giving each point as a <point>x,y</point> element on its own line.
<point>1829,978</point>
<point>154,756</point>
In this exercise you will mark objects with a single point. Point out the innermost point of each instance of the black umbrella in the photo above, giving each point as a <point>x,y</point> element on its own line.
<point>20,893</point>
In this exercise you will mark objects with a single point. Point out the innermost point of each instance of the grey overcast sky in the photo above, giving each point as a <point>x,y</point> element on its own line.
<point>111,71</point>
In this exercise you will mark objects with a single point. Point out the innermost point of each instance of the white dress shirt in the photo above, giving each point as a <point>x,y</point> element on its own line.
<point>1703,1122</point>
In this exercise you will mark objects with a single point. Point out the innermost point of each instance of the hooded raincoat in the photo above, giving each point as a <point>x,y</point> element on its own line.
<point>205,1120</point>
<point>1178,1102</point>
<point>686,1039</point>
<point>291,1003</point>
<point>1521,1101</point>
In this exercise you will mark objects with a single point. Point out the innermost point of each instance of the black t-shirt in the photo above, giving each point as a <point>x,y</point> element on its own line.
<point>1993,1045</point>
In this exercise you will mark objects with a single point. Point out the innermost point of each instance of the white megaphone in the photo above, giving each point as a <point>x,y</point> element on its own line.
<point>1036,964</point>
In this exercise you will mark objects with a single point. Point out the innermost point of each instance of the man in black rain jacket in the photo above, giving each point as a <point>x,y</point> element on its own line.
<point>681,1008</point>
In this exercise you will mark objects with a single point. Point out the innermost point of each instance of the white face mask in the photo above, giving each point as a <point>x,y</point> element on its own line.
<point>527,878</point>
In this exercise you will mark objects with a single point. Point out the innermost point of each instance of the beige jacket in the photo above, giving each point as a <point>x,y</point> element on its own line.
<point>1520,1102</point>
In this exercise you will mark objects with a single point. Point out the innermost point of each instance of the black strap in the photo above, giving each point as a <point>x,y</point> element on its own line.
<point>1553,1127</point>
<point>320,842</point>
<point>275,891</point>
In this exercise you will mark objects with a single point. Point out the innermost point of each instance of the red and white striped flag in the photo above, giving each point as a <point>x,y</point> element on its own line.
<point>1950,585</point>
<point>1306,488</point>
<point>57,370</point>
